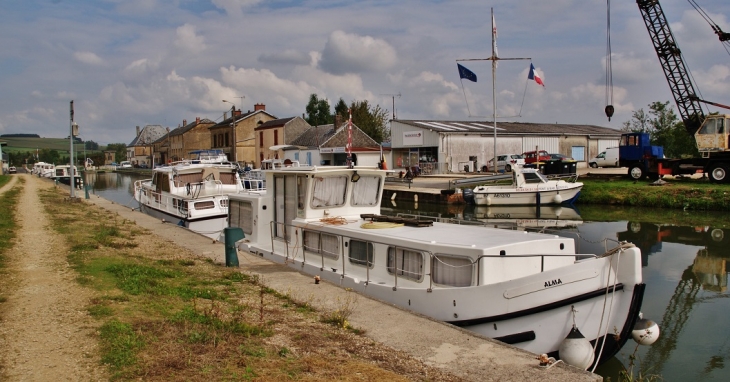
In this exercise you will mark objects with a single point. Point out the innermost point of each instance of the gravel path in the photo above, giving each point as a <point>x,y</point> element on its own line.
<point>46,333</point>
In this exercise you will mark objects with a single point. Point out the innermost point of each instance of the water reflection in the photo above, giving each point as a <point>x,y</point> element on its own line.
<point>113,186</point>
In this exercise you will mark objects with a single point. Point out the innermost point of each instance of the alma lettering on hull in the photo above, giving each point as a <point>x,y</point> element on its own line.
<point>553,283</point>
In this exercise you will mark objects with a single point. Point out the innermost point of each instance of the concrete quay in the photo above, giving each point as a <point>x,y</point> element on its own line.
<point>456,351</point>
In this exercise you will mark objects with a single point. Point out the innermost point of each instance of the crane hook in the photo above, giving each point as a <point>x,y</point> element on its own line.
<point>609,112</point>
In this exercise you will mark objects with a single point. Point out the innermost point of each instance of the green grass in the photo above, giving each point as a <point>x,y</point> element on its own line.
<point>676,194</point>
<point>4,179</point>
<point>8,225</point>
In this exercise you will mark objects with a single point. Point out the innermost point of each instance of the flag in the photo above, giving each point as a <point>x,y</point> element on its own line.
<point>466,73</point>
<point>533,76</point>
<point>494,37</point>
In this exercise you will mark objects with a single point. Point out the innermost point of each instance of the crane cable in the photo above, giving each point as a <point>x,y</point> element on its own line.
<point>724,37</point>
<point>609,71</point>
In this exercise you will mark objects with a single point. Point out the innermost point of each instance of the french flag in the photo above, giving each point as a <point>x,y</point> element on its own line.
<point>533,76</point>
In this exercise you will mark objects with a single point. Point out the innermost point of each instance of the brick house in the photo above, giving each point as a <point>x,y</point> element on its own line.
<point>278,132</point>
<point>223,137</point>
<point>189,137</point>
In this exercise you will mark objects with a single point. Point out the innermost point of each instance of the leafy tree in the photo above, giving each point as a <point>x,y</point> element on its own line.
<point>91,145</point>
<point>664,128</point>
<point>370,119</point>
<point>318,111</point>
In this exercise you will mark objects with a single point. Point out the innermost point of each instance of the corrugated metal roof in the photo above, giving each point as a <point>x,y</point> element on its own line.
<point>508,128</point>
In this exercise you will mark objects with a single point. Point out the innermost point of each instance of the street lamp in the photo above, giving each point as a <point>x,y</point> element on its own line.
<point>233,115</point>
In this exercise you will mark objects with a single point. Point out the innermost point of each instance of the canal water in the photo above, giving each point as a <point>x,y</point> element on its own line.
<point>684,267</point>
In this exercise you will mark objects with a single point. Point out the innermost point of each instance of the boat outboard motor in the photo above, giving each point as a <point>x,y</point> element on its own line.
<point>468,195</point>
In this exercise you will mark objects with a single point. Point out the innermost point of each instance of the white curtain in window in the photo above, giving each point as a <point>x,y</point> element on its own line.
<point>311,241</point>
<point>408,264</point>
<point>365,191</point>
<point>329,191</point>
<point>452,271</point>
<point>330,245</point>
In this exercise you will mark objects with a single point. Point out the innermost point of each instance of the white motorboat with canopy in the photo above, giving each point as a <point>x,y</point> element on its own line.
<point>526,289</point>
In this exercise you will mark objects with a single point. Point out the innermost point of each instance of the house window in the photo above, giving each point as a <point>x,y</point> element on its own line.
<point>405,263</point>
<point>361,253</point>
<point>452,270</point>
<point>215,141</point>
<point>226,140</point>
<point>276,137</point>
<point>325,244</point>
<point>261,140</point>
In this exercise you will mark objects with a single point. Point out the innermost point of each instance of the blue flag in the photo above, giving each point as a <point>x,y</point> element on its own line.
<point>466,73</point>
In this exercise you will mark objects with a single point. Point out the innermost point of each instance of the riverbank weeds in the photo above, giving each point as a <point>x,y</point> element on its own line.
<point>168,314</point>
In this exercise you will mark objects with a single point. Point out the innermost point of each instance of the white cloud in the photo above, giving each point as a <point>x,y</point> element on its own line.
<point>188,40</point>
<point>234,7</point>
<point>88,58</point>
<point>350,53</point>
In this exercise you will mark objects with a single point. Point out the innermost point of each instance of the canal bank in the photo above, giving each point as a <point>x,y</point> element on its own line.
<point>449,348</point>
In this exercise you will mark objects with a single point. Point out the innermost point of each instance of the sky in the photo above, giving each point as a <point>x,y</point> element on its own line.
<point>128,63</point>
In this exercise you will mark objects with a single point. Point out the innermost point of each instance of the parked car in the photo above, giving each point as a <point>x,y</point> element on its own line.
<point>12,170</point>
<point>560,157</point>
<point>536,156</point>
<point>608,158</point>
<point>125,164</point>
<point>505,162</point>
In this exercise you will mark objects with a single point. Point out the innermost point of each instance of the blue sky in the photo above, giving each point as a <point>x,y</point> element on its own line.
<point>136,62</point>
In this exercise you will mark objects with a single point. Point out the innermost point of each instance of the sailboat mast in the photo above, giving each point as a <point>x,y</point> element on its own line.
<point>494,85</point>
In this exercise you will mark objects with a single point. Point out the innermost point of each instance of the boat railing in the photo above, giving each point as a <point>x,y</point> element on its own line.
<point>570,178</point>
<point>159,201</point>
<point>280,232</point>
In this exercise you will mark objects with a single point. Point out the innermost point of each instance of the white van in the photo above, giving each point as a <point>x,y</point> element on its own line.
<point>608,158</point>
<point>125,164</point>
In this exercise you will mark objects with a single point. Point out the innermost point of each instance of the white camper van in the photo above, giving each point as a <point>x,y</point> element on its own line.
<point>608,158</point>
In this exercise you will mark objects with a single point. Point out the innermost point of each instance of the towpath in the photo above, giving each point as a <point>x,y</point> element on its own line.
<point>45,332</point>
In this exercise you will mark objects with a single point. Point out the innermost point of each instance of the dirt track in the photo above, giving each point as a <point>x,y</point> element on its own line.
<point>45,330</point>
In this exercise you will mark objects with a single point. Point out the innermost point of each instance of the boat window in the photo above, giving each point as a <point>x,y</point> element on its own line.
<point>206,205</point>
<point>405,263</point>
<point>361,253</point>
<point>183,179</point>
<point>241,215</point>
<point>322,243</point>
<point>329,191</point>
<point>366,191</point>
<point>301,194</point>
<point>227,178</point>
<point>452,271</point>
<point>532,177</point>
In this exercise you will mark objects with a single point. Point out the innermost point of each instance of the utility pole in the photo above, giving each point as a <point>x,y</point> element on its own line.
<point>73,126</point>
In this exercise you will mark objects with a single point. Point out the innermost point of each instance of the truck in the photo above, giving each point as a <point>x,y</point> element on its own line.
<point>710,131</point>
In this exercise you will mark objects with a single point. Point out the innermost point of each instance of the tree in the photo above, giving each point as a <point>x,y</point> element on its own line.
<point>318,111</point>
<point>91,145</point>
<point>370,119</point>
<point>342,110</point>
<point>664,128</point>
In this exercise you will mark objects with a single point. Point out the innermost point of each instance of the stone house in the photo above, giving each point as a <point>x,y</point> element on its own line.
<point>272,136</point>
<point>140,150</point>
<point>239,145</point>
<point>190,137</point>
<point>327,145</point>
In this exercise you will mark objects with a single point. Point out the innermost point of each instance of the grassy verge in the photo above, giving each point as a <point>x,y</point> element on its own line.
<point>8,225</point>
<point>677,194</point>
<point>4,179</point>
<point>166,314</point>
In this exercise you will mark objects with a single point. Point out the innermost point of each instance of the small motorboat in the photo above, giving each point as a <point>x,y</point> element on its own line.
<point>529,187</point>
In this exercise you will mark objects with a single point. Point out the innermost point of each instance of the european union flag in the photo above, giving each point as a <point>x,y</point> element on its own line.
<point>466,73</point>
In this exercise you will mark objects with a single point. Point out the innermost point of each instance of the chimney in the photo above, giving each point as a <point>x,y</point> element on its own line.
<point>259,106</point>
<point>225,115</point>
<point>197,120</point>
<point>138,131</point>
<point>168,129</point>
<point>238,113</point>
<point>185,122</point>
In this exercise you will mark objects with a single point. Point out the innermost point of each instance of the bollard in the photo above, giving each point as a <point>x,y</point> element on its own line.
<point>86,190</point>
<point>231,236</point>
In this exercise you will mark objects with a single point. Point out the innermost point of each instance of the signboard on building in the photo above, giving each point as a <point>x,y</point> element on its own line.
<point>412,138</point>
<point>329,150</point>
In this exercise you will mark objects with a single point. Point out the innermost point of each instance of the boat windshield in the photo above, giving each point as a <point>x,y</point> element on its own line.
<point>534,177</point>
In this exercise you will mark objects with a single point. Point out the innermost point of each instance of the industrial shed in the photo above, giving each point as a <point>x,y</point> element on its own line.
<point>453,146</point>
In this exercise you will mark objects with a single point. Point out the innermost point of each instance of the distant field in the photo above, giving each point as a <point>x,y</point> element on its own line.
<point>31,144</point>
